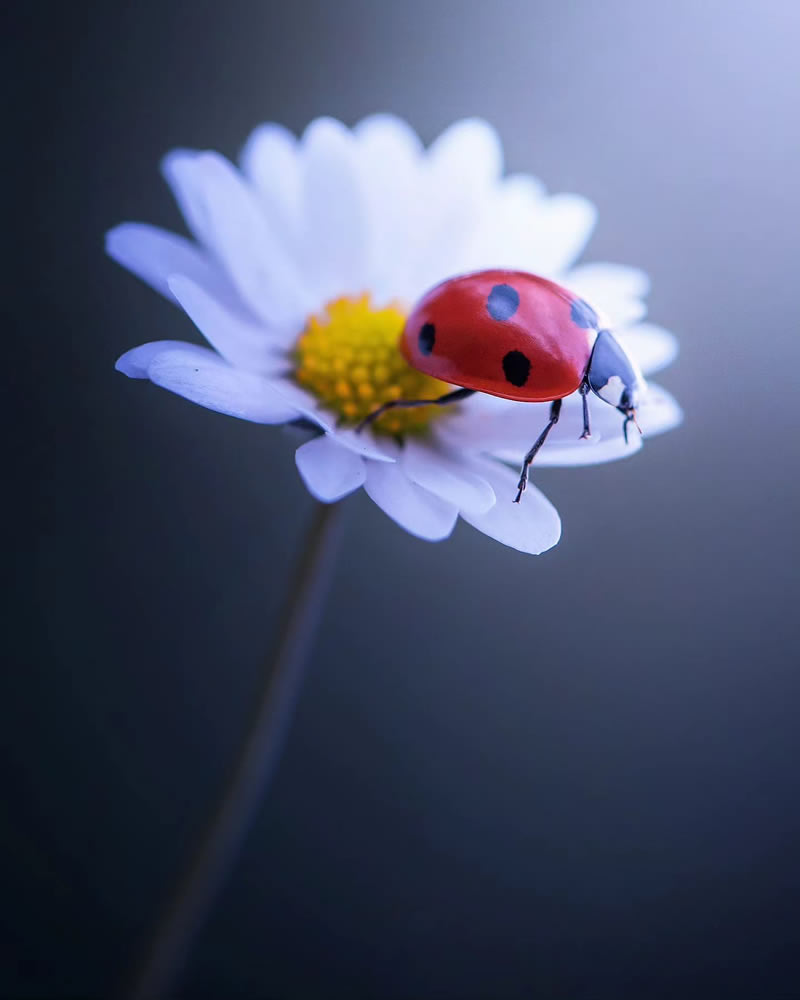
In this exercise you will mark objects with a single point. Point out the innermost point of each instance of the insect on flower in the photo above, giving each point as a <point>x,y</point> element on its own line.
<point>301,274</point>
<point>518,336</point>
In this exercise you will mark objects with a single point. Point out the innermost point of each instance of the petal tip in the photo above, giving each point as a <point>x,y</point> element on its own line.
<point>128,364</point>
<point>119,241</point>
<point>326,127</point>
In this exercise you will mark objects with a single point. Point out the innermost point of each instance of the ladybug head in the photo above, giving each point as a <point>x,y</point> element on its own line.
<point>615,378</point>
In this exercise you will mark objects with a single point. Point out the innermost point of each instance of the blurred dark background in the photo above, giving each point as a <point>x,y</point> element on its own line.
<point>570,776</point>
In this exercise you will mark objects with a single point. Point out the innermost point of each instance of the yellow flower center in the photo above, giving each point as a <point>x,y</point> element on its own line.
<point>349,357</point>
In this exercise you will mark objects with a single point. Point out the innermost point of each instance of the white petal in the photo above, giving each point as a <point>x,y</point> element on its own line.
<point>364,444</point>
<point>154,254</point>
<point>596,451</point>
<point>390,161</point>
<point>384,127</point>
<point>200,375</point>
<point>563,226</point>
<point>651,346</point>
<point>508,432</point>
<point>531,526</point>
<point>564,445</point>
<point>241,342</point>
<point>446,476</point>
<point>659,411</point>
<point>181,170</point>
<point>467,152</point>
<point>412,507</point>
<point>335,231</point>
<point>271,162</point>
<point>613,289</point>
<point>506,232</point>
<point>187,183</point>
<point>329,471</point>
<point>226,215</point>
<point>136,362</point>
<point>508,435</point>
<point>481,428</point>
<point>463,168</point>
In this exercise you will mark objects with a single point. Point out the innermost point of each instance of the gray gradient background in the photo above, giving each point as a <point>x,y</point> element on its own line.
<point>569,776</point>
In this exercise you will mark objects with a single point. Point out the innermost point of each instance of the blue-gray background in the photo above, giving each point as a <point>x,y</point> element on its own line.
<point>569,776</point>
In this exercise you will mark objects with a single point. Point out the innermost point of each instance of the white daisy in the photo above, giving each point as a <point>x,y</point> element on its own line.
<point>304,262</point>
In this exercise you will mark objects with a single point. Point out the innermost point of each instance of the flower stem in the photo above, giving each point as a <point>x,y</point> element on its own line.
<point>190,905</point>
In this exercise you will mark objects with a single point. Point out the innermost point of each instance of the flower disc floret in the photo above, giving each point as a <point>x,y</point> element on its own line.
<point>348,356</point>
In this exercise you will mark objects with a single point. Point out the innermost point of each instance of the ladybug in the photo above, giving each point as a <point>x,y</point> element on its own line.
<point>518,336</point>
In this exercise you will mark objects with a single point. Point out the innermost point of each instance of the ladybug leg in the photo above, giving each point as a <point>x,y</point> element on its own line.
<point>555,410</point>
<point>584,390</point>
<point>450,397</point>
<point>630,418</point>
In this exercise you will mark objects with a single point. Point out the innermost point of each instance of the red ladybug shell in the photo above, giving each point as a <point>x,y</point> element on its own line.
<point>508,333</point>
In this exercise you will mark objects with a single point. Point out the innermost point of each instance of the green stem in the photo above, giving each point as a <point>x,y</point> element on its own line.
<point>215,856</point>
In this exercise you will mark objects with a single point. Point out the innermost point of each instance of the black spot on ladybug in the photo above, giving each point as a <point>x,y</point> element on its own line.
<point>583,315</point>
<point>427,338</point>
<point>517,368</point>
<point>503,302</point>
